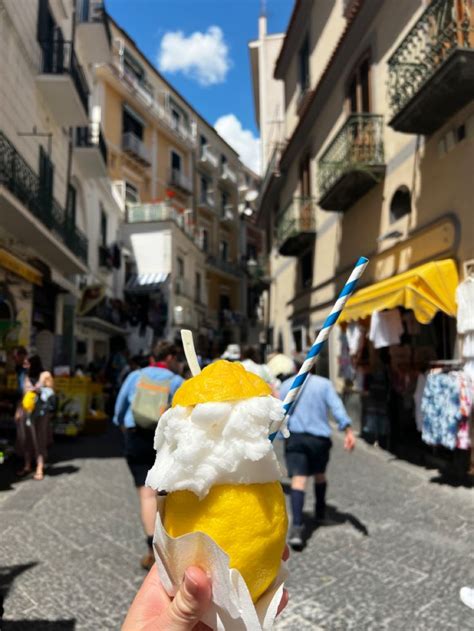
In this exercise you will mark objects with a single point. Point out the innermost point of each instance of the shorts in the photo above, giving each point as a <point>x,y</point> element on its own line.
<point>307,454</point>
<point>139,452</point>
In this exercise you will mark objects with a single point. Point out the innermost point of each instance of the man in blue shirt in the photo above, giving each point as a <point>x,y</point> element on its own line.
<point>307,449</point>
<point>139,450</point>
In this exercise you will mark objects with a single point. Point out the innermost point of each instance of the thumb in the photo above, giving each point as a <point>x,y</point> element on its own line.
<point>190,603</point>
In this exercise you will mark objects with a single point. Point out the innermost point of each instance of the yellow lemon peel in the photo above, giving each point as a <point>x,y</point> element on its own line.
<point>221,381</point>
<point>248,521</point>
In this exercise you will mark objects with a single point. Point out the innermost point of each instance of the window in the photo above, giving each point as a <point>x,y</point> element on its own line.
<point>202,141</point>
<point>132,66</point>
<point>224,199</point>
<point>204,190</point>
<point>223,160</point>
<point>400,204</point>
<point>180,263</point>
<point>251,252</point>
<point>46,176</point>
<point>71,206</point>
<point>303,66</point>
<point>298,339</point>
<point>306,269</point>
<point>131,193</point>
<point>178,115</point>
<point>175,161</point>
<point>358,88</point>
<point>103,227</point>
<point>198,287</point>
<point>132,123</point>
<point>224,250</point>
<point>205,240</point>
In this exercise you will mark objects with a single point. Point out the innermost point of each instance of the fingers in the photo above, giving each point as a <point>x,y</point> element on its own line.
<point>286,553</point>
<point>150,601</point>
<point>189,604</point>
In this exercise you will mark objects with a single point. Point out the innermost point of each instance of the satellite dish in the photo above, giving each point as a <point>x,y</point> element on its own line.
<point>251,196</point>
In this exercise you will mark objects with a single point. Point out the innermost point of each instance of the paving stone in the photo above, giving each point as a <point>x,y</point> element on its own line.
<point>395,560</point>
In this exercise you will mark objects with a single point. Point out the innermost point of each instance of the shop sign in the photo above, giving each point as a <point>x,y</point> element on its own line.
<point>13,264</point>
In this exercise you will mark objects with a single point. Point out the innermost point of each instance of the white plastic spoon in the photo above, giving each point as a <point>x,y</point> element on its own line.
<point>190,351</point>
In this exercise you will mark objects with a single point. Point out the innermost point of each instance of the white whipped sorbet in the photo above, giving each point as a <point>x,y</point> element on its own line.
<point>216,443</point>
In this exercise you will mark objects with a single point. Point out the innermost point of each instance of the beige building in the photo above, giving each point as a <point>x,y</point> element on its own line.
<point>58,217</point>
<point>377,156</point>
<point>180,185</point>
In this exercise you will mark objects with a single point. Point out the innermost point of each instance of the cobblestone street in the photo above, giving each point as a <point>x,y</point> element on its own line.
<point>396,557</point>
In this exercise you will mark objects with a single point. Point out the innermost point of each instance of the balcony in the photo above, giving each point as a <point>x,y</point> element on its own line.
<point>207,157</point>
<point>182,287</point>
<point>272,168</point>
<point>228,267</point>
<point>431,74</point>
<point>353,163</point>
<point>35,218</point>
<point>206,201</point>
<point>178,180</point>
<point>228,175</point>
<point>148,213</point>
<point>90,151</point>
<point>62,84</point>
<point>227,214</point>
<point>133,146</point>
<point>296,227</point>
<point>93,31</point>
<point>258,272</point>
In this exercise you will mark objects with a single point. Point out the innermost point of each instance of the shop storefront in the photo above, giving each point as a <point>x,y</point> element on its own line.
<point>400,356</point>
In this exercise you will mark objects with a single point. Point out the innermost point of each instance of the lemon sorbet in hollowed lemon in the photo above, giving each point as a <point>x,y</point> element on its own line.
<point>216,463</point>
<point>221,381</point>
<point>248,521</point>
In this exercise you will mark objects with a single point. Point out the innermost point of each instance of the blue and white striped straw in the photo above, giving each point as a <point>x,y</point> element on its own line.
<point>323,335</point>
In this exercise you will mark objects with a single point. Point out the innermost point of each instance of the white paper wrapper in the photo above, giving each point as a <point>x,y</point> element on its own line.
<point>232,608</point>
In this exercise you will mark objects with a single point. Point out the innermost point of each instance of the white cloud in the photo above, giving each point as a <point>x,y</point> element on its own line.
<point>201,56</point>
<point>240,139</point>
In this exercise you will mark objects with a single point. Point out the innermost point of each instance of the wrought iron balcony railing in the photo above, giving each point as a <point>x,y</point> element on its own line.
<point>164,211</point>
<point>133,145</point>
<point>207,155</point>
<point>298,219</point>
<point>58,57</point>
<point>446,26</point>
<point>228,174</point>
<point>20,179</point>
<point>227,213</point>
<point>91,136</point>
<point>225,266</point>
<point>206,199</point>
<point>272,168</point>
<point>179,180</point>
<point>358,146</point>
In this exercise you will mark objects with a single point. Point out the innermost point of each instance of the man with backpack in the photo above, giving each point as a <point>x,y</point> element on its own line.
<point>143,397</point>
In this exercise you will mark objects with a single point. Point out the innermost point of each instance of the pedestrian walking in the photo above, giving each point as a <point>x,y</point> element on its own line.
<point>144,396</point>
<point>34,417</point>
<point>308,447</point>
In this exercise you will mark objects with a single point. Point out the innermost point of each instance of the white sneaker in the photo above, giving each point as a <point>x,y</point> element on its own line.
<point>466,594</point>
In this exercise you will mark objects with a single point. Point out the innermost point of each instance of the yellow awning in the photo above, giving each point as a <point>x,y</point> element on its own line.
<point>425,289</point>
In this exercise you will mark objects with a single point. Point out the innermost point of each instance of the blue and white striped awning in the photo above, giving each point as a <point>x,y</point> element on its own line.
<point>145,283</point>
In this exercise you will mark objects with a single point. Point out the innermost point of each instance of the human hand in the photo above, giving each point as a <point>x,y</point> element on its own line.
<point>153,610</point>
<point>349,440</point>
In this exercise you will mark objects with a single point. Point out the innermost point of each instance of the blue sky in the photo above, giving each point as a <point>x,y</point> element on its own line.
<point>200,46</point>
